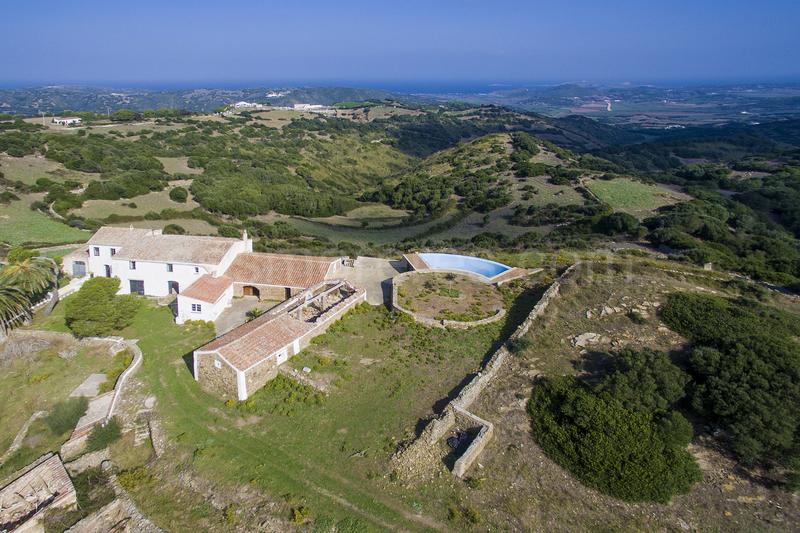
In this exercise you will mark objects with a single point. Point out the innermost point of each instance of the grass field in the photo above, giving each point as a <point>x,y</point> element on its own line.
<point>633,197</point>
<point>331,454</point>
<point>19,224</point>
<point>154,201</point>
<point>39,381</point>
<point>374,215</point>
<point>177,165</point>
<point>30,168</point>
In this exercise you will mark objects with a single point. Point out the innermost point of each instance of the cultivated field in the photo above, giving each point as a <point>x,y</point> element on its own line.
<point>373,216</point>
<point>192,226</point>
<point>634,197</point>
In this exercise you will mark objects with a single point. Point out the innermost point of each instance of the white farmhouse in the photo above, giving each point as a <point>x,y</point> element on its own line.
<point>205,273</point>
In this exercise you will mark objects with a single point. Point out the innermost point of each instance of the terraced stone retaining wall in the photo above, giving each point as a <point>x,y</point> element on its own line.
<point>418,459</point>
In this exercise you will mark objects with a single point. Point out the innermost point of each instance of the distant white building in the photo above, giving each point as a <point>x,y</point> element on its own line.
<point>307,107</point>
<point>67,121</point>
<point>247,105</point>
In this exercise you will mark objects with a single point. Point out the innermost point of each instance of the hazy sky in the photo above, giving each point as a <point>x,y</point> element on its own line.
<point>182,42</point>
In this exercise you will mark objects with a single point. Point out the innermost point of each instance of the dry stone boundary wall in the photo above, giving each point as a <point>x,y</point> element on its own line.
<point>418,459</point>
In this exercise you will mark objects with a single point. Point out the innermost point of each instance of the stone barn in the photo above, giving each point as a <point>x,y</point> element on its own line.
<point>238,363</point>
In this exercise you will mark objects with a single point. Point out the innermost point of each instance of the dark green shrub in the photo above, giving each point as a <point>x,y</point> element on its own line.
<point>103,434</point>
<point>617,450</point>
<point>64,415</point>
<point>174,229</point>
<point>179,194</point>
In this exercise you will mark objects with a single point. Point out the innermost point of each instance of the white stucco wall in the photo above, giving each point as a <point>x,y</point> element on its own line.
<point>209,311</point>
<point>155,274</point>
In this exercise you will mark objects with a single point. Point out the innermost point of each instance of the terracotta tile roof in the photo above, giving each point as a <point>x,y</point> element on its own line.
<point>177,249</point>
<point>207,288</point>
<point>258,339</point>
<point>279,270</point>
<point>41,484</point>
<point>255,340</point>
<point>111,236</point>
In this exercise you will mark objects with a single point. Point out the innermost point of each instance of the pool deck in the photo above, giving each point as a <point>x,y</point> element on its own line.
<point>415,262</point>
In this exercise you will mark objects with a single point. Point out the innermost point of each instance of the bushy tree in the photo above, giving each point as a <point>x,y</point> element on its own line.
<point>179,194</point>
<point>174,229</point>
<point>96,310</point>
<point>617,450</point>
<point>645,381</point>
<point>746,366</point>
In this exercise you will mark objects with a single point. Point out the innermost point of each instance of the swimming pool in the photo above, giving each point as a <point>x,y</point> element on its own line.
<point>476,265</point>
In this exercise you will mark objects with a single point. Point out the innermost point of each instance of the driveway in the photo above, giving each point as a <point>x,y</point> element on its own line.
<point>236,314</point>
<point>375,276</point>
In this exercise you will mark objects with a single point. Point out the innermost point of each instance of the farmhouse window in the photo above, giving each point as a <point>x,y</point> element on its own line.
<point>197,308</point>
<point>132,265</point>
<point>113,251</point>
<point>196,270</point>
<point>169,267</point>
<point>96,251</point>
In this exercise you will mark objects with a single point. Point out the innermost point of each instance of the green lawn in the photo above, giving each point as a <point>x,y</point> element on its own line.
<point>19,224</point>
<point>631,196</point>
<point>40,381</point>
<point>386,373</point>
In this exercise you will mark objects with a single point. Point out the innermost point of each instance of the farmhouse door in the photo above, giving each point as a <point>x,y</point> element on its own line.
<point>173,287</point>
<point>137,287</point>
<point>78,269</point>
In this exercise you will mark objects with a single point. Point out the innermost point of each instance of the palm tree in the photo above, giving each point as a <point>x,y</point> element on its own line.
<point>33,275</point>
<point>14,306</point>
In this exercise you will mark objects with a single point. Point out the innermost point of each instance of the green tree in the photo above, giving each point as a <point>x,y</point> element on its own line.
<point>179,194</point>
<point>617,450</point>
<point>96,310</point>
<point>174,229</point>
<point>645,381</point>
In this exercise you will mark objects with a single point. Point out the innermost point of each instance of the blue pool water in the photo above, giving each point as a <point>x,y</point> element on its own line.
<point>476,265</point>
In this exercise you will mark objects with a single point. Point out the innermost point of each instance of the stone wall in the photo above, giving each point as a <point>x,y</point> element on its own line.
<point>266,292</point>
<point>419,457</point>
<point>477,445</point>
<point>220,381</point>
<point>258,376</point>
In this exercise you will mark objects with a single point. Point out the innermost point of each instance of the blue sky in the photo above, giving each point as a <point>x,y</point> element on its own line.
<point>180,42</point>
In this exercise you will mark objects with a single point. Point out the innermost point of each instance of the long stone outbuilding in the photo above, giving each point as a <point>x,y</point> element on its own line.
<point>240,362</point>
